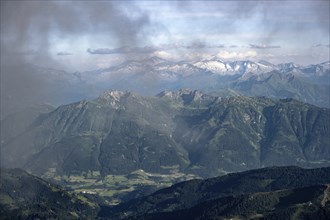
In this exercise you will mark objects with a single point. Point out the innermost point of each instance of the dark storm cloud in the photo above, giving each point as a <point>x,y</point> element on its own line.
<point>34,23</point>
<point>255,46</point>
<point>29,30</point>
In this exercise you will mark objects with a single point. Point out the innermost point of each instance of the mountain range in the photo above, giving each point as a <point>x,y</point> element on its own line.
<point>150,76</point>
<point>183,131</point>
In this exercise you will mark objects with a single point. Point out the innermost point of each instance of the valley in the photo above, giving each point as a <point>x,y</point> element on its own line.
<point>274,192</point>
<point>150,110</point>
<point>115,189</point>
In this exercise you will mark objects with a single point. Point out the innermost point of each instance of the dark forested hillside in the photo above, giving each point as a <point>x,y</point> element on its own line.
<point>277,192</point>
<point>23,196</point>
<point>301,203</point>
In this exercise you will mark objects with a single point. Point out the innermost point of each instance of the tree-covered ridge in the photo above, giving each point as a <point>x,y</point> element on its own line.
<point>300,203</point>
<point>270,191</point>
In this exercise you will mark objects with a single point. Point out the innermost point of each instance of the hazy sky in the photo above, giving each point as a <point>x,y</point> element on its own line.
<point>80,35</point>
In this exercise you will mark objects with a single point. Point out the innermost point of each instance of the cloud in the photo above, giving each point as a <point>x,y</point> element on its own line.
<point>104,51</point>
<point>201,45</point>
<point>63,54</point>
<point>163,54</point>
<point>268,20</point>
<point>263,46</point>
<point>122,50</point>
<point>151,49</point>
<point>29,24</point>
<point>237,55</point>
<point>322,45</point>
<point>23,52</point>
<point>33,31</point>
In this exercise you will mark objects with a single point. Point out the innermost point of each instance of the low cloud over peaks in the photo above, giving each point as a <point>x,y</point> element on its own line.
<point>151,49</point>
<point>121,50</point>
<point>263,46</point>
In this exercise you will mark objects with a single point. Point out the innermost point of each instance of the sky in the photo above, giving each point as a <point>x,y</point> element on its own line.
<point>88,35</point>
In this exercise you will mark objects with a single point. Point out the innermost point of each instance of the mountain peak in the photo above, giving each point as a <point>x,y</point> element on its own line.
<point>289,65</point>
<point>112,94</point>
<point>112,97</point>
<point>215,58</point>
<point>187,96</point>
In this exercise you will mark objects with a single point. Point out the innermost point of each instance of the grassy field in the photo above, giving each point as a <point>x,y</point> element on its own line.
<point>115,188</point>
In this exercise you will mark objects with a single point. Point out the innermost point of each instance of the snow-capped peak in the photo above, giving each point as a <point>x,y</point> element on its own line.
<point>215,65</point>
<point>266,63</point>
<point>286,67</point>
<point>236,67</point>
